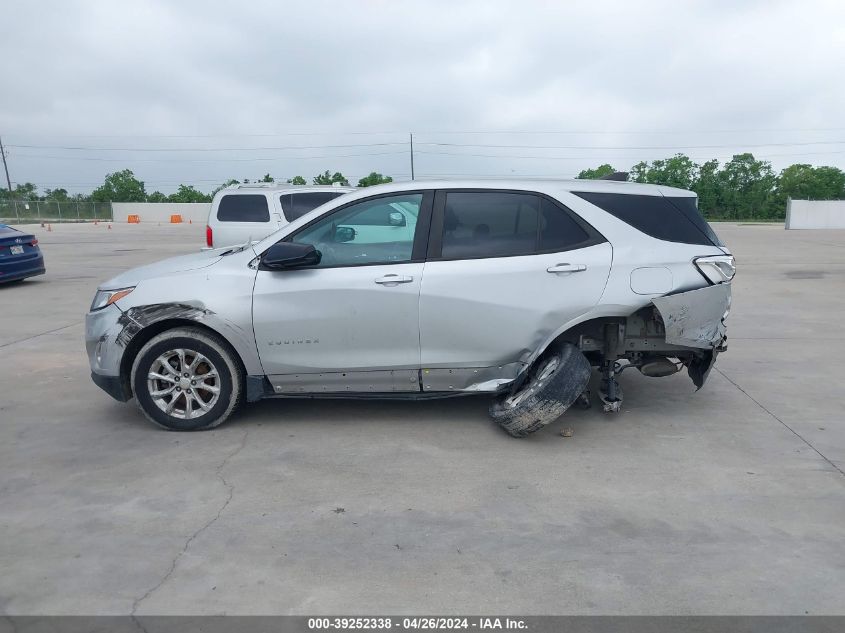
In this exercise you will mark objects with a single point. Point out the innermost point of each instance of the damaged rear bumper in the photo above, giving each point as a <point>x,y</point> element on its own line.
<point>696,319</point>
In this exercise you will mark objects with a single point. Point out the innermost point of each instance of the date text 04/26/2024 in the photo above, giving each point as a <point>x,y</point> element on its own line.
<point>416,623</point>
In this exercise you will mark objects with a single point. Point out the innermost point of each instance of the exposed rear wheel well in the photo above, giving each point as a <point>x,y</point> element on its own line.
<point>593,328</point>
<point>154,329</point>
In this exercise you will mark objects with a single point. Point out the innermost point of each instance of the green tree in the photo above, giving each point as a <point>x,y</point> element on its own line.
<point>156,196</point>
<point>639,172</point>
<point>297,180</point>
<point>59,195</point>
<point>327,178</point>
<point>266,178</point>
<point>121,186</point>
<point>598,172</point>
<point>708,188</point>
<point>831,183</point>
<point>26,191</point>
<point>748,188</point>
<point>677,171</point>
<point>187,193</point>
<point>374,178</point>
<point>805,182</point>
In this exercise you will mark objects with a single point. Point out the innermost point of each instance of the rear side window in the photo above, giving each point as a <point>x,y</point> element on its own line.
<point>295,205</point>
<point>669,219</point>
<point>502,224</point>
<point>243,208</point>
<point>489,224</point>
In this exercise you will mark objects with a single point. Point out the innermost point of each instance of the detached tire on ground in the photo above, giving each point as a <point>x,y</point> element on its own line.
<point>187,379</point>
<point>552,385</point>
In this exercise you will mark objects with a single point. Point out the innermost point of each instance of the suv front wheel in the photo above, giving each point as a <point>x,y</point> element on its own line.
<point>187,379</point>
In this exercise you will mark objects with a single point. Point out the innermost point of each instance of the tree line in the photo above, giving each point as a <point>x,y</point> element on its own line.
<point>123,186</point>
<point>742,188</point>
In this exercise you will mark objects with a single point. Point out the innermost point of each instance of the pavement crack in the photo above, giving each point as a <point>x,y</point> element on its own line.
<point>29,338</point>
<point>785,425</point>
<point>230,492</point>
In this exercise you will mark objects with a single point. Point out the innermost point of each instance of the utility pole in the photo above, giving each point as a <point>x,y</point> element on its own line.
<point>6,168</point>
<point>412,156</point>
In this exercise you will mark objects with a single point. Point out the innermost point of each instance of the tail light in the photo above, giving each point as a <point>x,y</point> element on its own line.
<point>34,243</point>
<point>716,269</point>
<point>209,236</point>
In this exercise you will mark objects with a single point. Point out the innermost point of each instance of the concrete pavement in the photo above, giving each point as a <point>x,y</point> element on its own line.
<point>726,501</point>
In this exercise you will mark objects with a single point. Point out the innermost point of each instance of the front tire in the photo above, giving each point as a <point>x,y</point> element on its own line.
<point>187,379</point>
<point>555,381</point>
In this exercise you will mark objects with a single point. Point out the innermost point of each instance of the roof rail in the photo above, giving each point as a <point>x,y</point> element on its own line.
<point>617,175</point>
<point>257,185</point>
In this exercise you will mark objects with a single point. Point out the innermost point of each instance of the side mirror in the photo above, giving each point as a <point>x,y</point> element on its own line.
<point>287,255</point>
<point>344,234</point>
<point>394,218</point>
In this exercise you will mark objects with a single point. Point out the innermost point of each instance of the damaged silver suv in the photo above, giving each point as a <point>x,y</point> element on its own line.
<point>425,290</point>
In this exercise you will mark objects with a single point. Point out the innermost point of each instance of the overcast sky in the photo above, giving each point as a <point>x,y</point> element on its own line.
<point>488,88</point>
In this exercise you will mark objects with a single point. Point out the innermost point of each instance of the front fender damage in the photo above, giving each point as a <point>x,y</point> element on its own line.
<point>136,319</point>
<point>696,319</point>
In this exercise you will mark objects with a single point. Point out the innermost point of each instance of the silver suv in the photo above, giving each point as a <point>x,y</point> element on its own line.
<point>425,289</point>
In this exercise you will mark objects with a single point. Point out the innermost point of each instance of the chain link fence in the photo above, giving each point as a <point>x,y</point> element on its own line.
<point>23,211</point>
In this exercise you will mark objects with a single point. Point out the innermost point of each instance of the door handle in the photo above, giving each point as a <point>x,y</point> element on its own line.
<point>392,280</point>
<point>566,268</point>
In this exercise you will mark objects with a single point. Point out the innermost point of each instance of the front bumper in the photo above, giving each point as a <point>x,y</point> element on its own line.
<point>104,351</point>
<point>112,385</point>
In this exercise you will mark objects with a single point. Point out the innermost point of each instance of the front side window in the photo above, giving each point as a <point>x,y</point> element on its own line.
<point>243,208</point>
<point>376,231</point>
<point>295,205</point>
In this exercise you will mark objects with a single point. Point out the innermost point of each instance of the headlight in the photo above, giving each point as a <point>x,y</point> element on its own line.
<point>717,268</point>
<point>105,298</point>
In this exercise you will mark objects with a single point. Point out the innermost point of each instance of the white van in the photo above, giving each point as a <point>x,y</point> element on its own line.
<point>242,213</point>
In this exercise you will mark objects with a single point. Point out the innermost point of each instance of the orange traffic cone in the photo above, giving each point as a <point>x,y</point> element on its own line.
<point>109,227</point>
<point>49,228</point>
<point>190,221</point>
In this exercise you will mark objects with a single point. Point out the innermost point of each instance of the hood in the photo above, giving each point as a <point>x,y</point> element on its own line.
<point>165,267</point>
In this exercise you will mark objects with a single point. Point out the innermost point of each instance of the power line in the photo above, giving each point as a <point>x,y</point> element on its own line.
<point>597,158</point>
<point>438,132</point>
<point>638,147</point>
<point>206,160</point>
<point>427,143</point>
<point>199,149</point>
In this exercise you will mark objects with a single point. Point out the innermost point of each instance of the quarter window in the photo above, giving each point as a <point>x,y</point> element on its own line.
<point>376,231</point>
<point>669,219</point>
<point>243,208</point>
<point>558,230</point>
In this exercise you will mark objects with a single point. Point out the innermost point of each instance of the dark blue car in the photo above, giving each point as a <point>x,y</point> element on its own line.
<point>20,256</point>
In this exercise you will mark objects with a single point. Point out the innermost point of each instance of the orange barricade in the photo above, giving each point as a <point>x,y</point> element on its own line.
<point>176,219</point>
<point>133,219</point>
